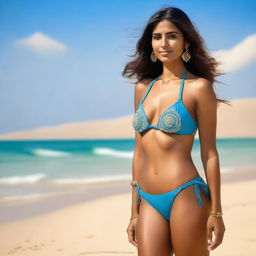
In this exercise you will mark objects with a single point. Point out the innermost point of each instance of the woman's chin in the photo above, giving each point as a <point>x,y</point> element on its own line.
<point>167,60</point>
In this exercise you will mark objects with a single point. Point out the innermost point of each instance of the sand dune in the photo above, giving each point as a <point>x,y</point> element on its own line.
<point>237,120</point>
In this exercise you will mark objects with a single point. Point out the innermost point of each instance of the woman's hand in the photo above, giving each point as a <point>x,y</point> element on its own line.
<point>131,231</point>
<point>215,225</point>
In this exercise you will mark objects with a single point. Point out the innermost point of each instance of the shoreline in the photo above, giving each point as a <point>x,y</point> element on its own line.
<point>21,210</point>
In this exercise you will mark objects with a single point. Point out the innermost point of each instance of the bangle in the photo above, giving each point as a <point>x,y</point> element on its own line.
<point>134,183</point>
<point>216,214</point>
<point>134,217</point>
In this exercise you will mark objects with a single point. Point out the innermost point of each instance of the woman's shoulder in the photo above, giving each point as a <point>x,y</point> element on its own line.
<point>197,81</point>
<point>140,89</point>
<point>143,82</point>
<point>142,85</point>
<point>200,86</point>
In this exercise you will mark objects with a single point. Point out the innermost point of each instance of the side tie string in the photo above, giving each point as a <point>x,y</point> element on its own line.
<point>138,192</point>
<point>198,185</point>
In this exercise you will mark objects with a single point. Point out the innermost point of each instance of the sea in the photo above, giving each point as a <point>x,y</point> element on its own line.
<point>39,168</point>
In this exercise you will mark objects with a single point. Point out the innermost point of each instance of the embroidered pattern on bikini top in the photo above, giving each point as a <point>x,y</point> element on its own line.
<point>175,119</point>
<point>169,121</point>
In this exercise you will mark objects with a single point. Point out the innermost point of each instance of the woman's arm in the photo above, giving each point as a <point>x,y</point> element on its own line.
<point>136,168</point>
<point>206,112</point>
<point>137,161</point>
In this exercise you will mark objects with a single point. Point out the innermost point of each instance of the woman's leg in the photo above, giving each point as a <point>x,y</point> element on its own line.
<point>153,232</point>
<point>188,223</point>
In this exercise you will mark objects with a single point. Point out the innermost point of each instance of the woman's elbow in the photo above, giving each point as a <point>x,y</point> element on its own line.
<point>209,153</point>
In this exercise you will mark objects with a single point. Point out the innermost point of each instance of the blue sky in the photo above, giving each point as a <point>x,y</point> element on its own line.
<point>75,75</point>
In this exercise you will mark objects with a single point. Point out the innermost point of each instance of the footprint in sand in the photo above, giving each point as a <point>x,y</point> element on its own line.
<point>89,236</point>
<point>17,248</point>
<point>35,247</point>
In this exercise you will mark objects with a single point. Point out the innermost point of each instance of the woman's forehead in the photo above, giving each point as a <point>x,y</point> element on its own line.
<point>165,26</point>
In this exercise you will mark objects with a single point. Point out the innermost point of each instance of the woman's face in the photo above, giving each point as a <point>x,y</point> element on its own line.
<point>167,41</point>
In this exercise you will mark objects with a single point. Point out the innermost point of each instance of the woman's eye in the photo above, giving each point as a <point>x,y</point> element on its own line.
<point>158,37</point>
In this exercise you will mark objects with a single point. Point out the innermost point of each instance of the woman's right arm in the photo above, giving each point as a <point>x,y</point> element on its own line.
<point>136,168</point>
<point>137,161</point>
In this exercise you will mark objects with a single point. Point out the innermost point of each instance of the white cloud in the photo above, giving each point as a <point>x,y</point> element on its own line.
<point>238,56</point>
<point>42,44</point>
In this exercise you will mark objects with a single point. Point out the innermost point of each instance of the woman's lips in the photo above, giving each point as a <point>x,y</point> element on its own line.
<point>165,52</point>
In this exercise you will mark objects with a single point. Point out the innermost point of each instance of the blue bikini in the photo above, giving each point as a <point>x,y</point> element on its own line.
<point>163,202</point>
<point>176,119</point>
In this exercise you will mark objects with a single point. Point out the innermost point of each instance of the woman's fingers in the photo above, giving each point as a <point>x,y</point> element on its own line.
<point>209,235</point>
<point>215,232</point>
<point>132,236</point>
<point>217,240</point>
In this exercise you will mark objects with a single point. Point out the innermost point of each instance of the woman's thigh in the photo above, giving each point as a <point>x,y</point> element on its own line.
<point>188,223</point>
<point>153,232</point>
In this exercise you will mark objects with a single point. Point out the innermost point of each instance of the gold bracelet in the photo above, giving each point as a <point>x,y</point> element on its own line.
<point>134,217</point>
<point>216,214</point>
<point>134,183</point>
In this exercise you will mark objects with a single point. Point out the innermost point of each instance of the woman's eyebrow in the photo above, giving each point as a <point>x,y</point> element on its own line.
<point>170,32</point>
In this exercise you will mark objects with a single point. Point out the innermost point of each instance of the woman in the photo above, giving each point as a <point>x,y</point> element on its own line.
<point>173,209</point>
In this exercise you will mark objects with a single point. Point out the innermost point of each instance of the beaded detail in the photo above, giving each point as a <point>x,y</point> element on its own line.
<point>170,121</point>
<point>139,121</point>
<point>175,119</point>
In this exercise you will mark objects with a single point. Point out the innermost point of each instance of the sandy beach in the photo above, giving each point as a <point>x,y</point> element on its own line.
<point>97,225</point>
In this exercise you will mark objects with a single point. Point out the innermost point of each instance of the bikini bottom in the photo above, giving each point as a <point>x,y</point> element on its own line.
<point>163,202</point>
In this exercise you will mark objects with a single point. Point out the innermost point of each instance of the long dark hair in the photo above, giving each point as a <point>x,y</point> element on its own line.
<point>201,63</point>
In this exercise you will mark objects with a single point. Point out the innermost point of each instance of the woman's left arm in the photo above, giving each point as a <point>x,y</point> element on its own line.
<point>206,112</point>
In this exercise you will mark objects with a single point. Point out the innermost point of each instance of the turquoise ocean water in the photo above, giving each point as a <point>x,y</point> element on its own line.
<point>37,168</point>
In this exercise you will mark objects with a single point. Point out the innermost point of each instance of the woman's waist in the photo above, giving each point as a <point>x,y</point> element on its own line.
<point>169,164</point>
<point>167,178</point>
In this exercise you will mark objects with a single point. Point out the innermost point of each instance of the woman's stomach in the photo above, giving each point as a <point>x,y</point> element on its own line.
<point>160,174</point>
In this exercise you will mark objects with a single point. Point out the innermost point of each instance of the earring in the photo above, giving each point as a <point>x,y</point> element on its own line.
<point>186,56</point>
<point>153,57</point>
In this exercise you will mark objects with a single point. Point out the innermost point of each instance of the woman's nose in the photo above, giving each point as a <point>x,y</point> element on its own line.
<point>163,41</point>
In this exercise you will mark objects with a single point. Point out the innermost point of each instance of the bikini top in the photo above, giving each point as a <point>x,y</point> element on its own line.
<point>175,119</point>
